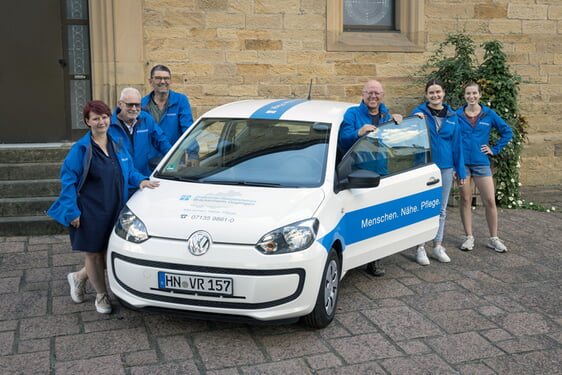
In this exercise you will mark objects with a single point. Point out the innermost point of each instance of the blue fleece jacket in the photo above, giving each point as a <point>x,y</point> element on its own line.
<point>446,146</point>
<point>148,139</point>
<point>353,119</point>
<point>474,138</point>
<point>177,118</point>
<point>74,171</point>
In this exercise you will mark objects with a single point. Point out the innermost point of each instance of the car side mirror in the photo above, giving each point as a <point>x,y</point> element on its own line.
<point>359,179</point>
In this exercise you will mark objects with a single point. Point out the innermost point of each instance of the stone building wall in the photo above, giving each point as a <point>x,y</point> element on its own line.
<point>225,50</point>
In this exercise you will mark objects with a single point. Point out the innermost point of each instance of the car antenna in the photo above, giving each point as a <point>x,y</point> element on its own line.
<point>309,89</point>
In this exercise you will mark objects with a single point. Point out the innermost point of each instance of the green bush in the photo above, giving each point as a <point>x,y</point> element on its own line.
<point>455,63</point>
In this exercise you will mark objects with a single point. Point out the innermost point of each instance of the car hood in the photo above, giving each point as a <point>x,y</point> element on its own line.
<point>230,214</point>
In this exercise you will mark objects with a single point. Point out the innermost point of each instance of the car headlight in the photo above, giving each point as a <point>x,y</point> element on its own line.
<point>130,227</point>
<point>293,237</point>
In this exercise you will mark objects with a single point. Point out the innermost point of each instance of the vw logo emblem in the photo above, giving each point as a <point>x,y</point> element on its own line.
<point>199,242</point>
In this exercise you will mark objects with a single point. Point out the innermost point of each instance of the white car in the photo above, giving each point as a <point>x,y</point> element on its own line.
<point>259,215</point>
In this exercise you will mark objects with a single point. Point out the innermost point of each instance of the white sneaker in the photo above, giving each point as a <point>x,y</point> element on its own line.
<point>77,288</point>
<point>103,304</point>
<point>439,253</point>
<point>421,256</point>
<point>468,243</point>
<point>497,244</point>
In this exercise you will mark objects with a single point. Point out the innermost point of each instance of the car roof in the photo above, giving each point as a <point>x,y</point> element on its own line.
<point>283,109</point>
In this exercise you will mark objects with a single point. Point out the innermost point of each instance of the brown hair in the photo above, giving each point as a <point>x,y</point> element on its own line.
<point>96,106</point>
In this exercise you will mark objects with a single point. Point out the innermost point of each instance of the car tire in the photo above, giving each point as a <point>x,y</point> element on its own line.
<point>327,299</point>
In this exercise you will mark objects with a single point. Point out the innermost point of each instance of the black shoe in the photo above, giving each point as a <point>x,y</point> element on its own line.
<point>375,269</point>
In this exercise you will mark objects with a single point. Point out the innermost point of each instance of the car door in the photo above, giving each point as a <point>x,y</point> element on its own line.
<point>403,210</point>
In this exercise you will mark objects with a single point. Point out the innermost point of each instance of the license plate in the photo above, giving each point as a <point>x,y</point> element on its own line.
<point>195,283</point>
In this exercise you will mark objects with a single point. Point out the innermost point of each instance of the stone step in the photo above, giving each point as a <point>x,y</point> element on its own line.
<point>30,226</point>
<point>29,171</point>
<point>33,154</point>
<point>30,188</point>
<point>29,206</point>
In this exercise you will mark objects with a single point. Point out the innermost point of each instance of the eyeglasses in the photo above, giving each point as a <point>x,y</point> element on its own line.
<point>131,105</point>
<point>371,93</point>
<point>157,78</point>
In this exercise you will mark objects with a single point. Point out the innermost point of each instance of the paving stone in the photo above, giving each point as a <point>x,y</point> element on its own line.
<point>292,345</point>
<point>294,366</point>
<point>536,363</point>
<point>356,323</point>
<point>418,364</point>
<point>143,357</point>
<point>9,284</point>
<point>35,345</point>
<point>525,323</point>
<point>241,348</point>
<point>33,363</point>
<point>354,301</point>
<point>475,369</point>
<point>496,335</point>
<point>402,323</point>
<point>463,347</point>
<point>100,344</point>
<point>174,347</point>
<point>170,325</point>
<point>320,361</point>
<point>364,348</point>
<point>49,326</point>
<point>505,303</point>
<point>461,321</point>
<point>107,365</point>
<point>8,247</point>
<point>384,288</point>
<point>371,368</point>
<point>433,288</point>
<point>187,367</point>
<point>6,343</point>
<point>18,261</point>
<point>448,300</point>
<point>414,347</point>
<point>23,305</point>
<point>524,344</point>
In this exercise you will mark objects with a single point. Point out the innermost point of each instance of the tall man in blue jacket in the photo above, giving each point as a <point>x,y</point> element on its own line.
<point>136,130</point>
<point>363,119</point>
<point>171,110</point>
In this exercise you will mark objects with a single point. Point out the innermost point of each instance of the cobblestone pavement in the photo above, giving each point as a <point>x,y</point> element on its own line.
<point>483,313</point>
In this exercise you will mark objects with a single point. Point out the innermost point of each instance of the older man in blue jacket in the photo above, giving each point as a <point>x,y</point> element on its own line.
<point>363,119</point>
<point>136,130</point>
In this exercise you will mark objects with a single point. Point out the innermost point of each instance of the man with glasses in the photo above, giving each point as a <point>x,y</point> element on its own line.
<point>363,119</point>
<point>136,130</point>
<point>171,110</point>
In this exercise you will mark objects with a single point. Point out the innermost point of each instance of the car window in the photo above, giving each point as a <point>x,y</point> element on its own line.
<point>391,149</point>
<point>252,152</point>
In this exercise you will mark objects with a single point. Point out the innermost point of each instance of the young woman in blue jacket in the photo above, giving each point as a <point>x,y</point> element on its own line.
<point>446,152</point>
<point>94,178</point>
<point>476,121</point>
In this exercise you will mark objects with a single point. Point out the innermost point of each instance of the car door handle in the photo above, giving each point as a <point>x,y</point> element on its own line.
<point>432,181</point>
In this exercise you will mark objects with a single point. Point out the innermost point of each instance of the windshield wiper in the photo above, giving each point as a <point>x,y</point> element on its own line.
<point>176,178</point>
<point>243,183</point>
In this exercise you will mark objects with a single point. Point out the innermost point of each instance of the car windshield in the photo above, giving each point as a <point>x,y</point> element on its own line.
<point>251,152</point>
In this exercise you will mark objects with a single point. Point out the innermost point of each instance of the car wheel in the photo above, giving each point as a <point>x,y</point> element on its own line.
<point>327,299</point>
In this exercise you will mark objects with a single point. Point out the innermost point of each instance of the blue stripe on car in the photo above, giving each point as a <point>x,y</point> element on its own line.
<point>276,109</point>
<point>375,220</point>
